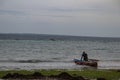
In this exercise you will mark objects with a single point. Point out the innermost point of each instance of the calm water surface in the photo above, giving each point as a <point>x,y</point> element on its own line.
<point>58,54</point>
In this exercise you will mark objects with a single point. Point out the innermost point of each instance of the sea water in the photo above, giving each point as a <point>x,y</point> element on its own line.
<point>57,53</point>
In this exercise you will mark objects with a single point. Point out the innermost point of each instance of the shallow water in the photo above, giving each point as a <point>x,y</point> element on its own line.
<point>59,54</point>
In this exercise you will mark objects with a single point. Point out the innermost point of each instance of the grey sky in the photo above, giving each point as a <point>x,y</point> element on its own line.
<point>63,17</point>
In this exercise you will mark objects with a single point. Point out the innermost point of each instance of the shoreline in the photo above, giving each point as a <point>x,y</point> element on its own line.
<point>55,65</point>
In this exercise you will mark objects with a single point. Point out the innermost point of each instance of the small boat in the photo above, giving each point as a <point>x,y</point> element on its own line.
<point>90,62</point>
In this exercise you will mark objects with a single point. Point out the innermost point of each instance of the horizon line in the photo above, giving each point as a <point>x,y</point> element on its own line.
<point>62,35</point>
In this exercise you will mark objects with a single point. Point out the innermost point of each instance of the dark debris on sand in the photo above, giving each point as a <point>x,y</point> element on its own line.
<point>39,76</point>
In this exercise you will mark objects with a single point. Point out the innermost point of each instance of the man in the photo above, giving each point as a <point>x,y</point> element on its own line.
<point>84,56</point>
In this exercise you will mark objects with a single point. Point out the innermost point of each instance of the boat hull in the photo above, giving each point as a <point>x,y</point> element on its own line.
<point>87,63</point>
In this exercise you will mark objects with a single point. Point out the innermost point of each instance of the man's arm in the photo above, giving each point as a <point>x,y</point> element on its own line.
<point>81,57</point>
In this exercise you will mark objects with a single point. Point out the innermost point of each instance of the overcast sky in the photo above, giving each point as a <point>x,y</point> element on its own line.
<point>63,17</point>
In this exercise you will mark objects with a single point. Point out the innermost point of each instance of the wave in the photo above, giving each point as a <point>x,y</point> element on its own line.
<point>33,61</point>
<point>110,60</point>
<point>42,61</point>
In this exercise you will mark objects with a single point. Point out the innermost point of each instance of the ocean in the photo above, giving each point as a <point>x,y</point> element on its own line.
<point>35,51</point>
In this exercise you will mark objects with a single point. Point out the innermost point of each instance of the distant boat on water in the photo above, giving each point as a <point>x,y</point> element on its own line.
<point>52,39</point>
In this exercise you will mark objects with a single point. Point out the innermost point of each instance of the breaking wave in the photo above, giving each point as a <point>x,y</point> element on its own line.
<point>32,61</point>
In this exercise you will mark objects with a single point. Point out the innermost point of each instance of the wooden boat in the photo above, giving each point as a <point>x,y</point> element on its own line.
<point>90,62</point>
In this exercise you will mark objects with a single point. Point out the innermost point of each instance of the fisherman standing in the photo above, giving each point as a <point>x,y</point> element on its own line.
<point>84,56</point>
